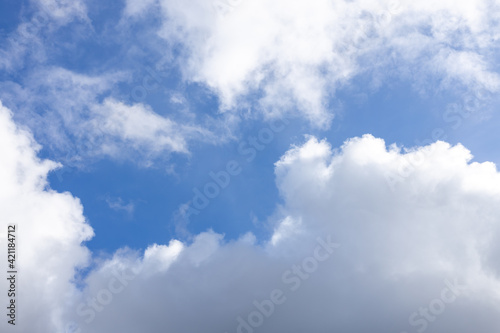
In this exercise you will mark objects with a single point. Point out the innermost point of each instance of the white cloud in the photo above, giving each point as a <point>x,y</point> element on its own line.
<point>80,124</point>
<point>296,54</point>
<point>50,229</point>
<point>141,127</point>
<point>468,68</point>
<point>56,103</point>
<point>401,247</point>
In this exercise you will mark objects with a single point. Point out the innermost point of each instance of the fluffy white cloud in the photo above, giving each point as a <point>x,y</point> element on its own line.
<point>50,230</point>
<point>410,249</point>
<point>296,54</point>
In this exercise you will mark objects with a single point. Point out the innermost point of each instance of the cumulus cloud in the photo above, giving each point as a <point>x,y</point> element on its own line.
<point>50,229</point>
<point>294,55</point>
<point>352,251</point>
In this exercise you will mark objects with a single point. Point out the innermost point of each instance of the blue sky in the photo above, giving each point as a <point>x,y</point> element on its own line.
<point>156,193</point>
<point>330,111</point>
<point>248,200</point>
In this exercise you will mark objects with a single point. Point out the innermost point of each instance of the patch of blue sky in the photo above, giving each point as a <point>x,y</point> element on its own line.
<point>10,17</point>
